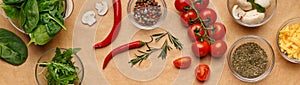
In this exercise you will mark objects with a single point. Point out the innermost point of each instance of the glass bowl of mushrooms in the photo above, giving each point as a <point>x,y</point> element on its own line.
<point>147,14</point>
<point>252,13</point>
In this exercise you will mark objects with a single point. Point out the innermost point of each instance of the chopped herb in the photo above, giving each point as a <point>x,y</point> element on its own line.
<point>249,60</point>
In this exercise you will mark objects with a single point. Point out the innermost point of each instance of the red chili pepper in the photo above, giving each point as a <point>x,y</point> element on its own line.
<point>132,45</point>
<point>116,26</point>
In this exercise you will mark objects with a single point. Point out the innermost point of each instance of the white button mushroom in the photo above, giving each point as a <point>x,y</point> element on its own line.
<point>244,4</point>
<point>253,17</point>
<point>237,12</point>
<point>102,8</point>
<point>88,18</point>
<point>263,3</point>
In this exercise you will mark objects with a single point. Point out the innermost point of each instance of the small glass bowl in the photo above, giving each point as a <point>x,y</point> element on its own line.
<point>41,72</point>
<point>286,23</point>
<point>264,45</point>
<point>268,14</point>
<point>130,12</point>
<point>68,5</point>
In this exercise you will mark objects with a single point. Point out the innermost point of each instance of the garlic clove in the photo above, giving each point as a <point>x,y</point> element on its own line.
<point>253,17</point>
<point>244,4</point>
<point>237,12</point>
<point>89,18</point>
<point>102,8</point>
<point>263,3</point>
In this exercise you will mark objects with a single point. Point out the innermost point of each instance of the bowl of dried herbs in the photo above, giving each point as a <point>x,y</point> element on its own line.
<point>251,58</point>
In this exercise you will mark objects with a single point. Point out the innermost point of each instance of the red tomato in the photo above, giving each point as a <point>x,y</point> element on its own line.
<point>202,72</point>
<point>200,49</point>
<point>209,16</point>
<point>201,4</point>
<point>181,5</point>
<point>218,31</point>
<point>183,62</point>
<point>195,32</point>
<point>218,48</point>
<point>186,17</point>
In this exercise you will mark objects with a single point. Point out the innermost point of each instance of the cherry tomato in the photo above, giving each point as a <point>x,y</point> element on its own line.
<point>195,32</point>
<point>200,49</point>
<point>187,17</point>
<point>209,16</point>
<point>201,4</point>
<point>218,31</point>
<point>183,62</point>
<point>202,72</point>
<point>218,48</point>
<point>181,5</point>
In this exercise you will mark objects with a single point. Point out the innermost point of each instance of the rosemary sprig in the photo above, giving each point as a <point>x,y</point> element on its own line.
<point>165,48</point>
<point>140,58</point>
<point>177,44</point>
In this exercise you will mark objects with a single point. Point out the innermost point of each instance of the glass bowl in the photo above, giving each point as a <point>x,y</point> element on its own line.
<point>157,23</point>
<point>268,14</point>
<point>264,45</point>
<point>68,5</point>
<point>286,23</point>
<point>41,72</point>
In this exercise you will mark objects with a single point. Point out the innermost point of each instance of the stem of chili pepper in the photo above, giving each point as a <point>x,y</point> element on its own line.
<point>116,26</point>
<point>120,49</point>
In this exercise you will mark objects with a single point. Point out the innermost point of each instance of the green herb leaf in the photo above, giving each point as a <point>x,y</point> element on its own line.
<point>256,6</point>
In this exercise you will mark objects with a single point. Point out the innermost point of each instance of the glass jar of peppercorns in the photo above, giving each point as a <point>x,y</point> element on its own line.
<point>147,14</point>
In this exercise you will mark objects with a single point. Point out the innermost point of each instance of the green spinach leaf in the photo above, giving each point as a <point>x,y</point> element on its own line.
<point>39,36</point>
<point>11,11</point>
<point>12,49</point>
<point>46,5</point>
<point>13,1</point>
<point>32,15</point>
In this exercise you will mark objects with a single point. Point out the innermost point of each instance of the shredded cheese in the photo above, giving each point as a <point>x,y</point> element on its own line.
<point>289,40</point>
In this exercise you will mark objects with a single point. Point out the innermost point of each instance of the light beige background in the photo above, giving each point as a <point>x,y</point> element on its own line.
<point>284,72</point>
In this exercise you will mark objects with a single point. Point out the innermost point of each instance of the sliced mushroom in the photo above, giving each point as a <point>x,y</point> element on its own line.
<point>263,3</point>
<point>88,18</point>
<point>102,8</point>
<point>237,12</point>
<point>244,4</point>
<point>253,17</point>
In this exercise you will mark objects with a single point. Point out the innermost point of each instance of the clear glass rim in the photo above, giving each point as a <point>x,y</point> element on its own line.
<point>265,74</point>
<point>252,25</point>
<point>161,20</point>
<point>51,50</point>
<point>277,40</point>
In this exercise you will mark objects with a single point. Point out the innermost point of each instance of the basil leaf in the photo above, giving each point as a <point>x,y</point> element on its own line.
<point>256,6</point>
<point>259,8</point>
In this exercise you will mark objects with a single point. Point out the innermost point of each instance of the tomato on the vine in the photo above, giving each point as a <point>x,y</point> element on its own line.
<point>182,5</point>
<point>217,31</point>
<point>187,18</point>
<point>183,62</point>
<point>195,32</point>
<point>200,49</point>
<point>202,72</point>
<point>201,4</point>
<point>208,16</point>
<point>218,48</point>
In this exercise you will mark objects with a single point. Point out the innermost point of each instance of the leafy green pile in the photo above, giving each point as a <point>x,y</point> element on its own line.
<point>41,19</point>
<point>12,49</point>
<point>61,68</point>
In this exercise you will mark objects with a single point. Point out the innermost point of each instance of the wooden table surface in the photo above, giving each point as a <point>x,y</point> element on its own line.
<point>79,35</point>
